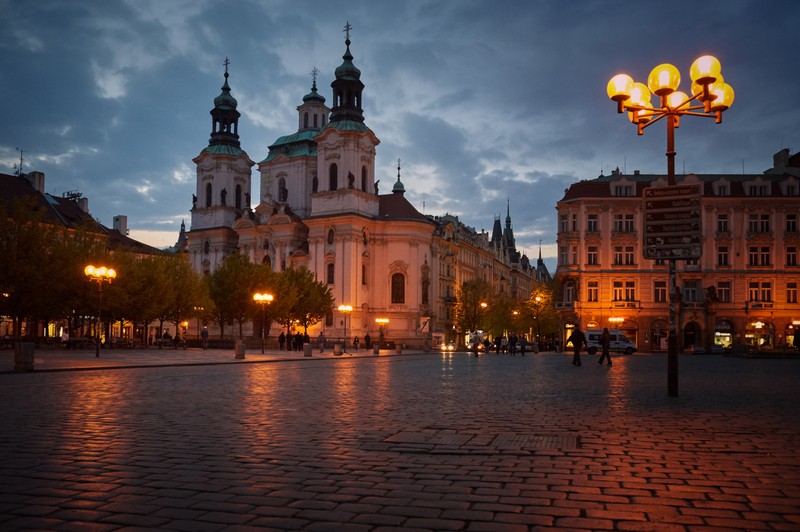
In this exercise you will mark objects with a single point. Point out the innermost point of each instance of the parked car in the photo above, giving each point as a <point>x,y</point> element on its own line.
<point>619,342</point>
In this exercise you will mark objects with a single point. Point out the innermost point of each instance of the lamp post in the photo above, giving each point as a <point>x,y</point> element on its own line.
<point>709,89</point>
<point>263,300</point>
<point>101,274</point>
<point>345,309</point>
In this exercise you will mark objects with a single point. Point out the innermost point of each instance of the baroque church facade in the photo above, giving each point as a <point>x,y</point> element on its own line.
<point>319,207</point>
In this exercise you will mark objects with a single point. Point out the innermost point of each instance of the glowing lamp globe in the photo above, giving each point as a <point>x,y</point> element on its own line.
<point>724,98</point>
<point>664,79</point>
<point>705,69</point>
<point>640,95</point>
<point>676,99</point>
<point>619,87</point>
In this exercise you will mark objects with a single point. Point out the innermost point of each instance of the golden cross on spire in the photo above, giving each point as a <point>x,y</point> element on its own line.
<point>226,63</point>
<point>347,28</point>
<point>314,72</point>
<point>398,169</point>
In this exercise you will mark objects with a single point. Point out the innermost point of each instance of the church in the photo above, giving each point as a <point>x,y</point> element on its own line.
<point>319,207</point>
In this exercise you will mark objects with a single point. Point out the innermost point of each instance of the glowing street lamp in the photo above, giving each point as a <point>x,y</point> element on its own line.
<point>713,95</point>
<point>382,322</point>
<point>263,300</point>
<point>345,309</point>
<point>101,274</point>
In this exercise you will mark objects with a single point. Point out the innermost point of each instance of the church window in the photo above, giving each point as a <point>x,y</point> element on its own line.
<point>330,236</point>
<point>364,274</point>
<point>398,289</point>
<point>267,261</point>
<point>363,178</point>
<point>209,193</point>
<point>329,273</point>
<point>283,193</point>
<point>315,121</point>
<point>305,120</point>
<point>206,247</point>
<point>238,199</point>
<point>334,177</point>
<point>315,185</point>
<point>324,120</point>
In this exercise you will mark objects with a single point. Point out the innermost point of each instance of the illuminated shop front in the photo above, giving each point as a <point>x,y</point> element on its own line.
<point>760,334</point>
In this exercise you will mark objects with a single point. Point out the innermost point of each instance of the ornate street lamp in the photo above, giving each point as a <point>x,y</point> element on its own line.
<point>345,309</point>
<point>101,274</point>
<point>708,89</point>
<point>263,300</point>
<point>382,322</point>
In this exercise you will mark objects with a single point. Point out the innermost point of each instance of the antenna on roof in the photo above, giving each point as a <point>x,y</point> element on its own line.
<point>18,169</point>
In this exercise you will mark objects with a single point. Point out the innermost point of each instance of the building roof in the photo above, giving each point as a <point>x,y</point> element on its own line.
<point>396,206</point>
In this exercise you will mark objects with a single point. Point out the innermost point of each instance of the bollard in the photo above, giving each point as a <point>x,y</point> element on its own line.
<point>306,350</point>
<point>239,349</point>
<point>376,349</point>
<point>23,356</point>
<point>337,349</point>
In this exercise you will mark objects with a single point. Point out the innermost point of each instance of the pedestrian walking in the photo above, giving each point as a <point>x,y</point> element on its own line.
<point>204,336</point>
<point>282,340</point>
<point>605,344</point>
<point>523,343</point>
<point>355,343</point>
<point>577,339</point>
<point>367,341</point>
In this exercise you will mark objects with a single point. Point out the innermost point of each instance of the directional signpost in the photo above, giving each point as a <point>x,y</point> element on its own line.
<point>672,222</point>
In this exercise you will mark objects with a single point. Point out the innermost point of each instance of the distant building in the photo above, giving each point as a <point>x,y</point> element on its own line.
<point>743,290</point>
<point>68,212</point>
<point>319,207</point>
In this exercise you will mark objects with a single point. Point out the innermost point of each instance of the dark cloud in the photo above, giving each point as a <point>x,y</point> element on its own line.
<point>490,105</point>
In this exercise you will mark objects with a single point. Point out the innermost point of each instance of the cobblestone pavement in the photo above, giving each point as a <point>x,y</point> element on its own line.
<point>419,441</point>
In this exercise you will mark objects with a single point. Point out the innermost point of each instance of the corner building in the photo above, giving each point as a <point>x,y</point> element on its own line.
<point>319,207</point>
<point>743,289</point>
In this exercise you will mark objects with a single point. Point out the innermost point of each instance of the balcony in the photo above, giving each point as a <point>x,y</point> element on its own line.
<point>760,304</point>
<point>624,304</point>
<point>565,305</point>
<point>693,304</point>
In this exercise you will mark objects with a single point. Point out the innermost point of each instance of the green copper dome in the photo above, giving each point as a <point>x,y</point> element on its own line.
<point>225,100</point>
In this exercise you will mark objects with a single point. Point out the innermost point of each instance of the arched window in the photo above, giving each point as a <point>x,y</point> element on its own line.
<point>206,247</point>
<point>330,236</point>
<point>315,121</point>
<point>363,179</point>
<point>283,193</point>
<point>305,120</point>
<point>209,192</point>
<point>334,177</point>
<point>398,289</point>
<point>329,273</point>
<point>314,185</point>
<point>238,200</point>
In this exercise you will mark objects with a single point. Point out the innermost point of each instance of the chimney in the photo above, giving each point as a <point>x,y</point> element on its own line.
<point>636,172</point>
<point>781,159</point>
<point>37,181</point>
<point>83,203</point>
<point>121,224</point>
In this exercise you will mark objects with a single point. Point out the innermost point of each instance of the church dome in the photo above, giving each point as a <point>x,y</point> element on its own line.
<point>347,70</point>
<point>225,100</point>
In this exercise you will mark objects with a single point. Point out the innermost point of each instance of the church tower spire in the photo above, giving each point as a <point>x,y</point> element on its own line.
<point>225,117</point>
<point>347,88</point>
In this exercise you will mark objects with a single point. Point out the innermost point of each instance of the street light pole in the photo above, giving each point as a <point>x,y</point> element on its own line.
<point>345,309</point>
<point>99,274</point>
<point>263,300</point>
<point>716,96</point>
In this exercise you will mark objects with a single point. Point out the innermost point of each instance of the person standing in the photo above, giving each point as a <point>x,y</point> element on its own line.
<point>282,340</point>
<point>577,339</point>
<point>355,343</point>
<point>204,336</point>
<point>605,344</point>
<point>368,341</point>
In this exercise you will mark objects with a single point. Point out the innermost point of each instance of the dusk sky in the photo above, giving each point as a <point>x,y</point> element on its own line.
<point>485,102</point>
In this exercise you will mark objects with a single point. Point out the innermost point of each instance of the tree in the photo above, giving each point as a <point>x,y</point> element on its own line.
<point>467,307</point>
<point>231,290</point>
<point>300,299</point>
<point>540,311</point>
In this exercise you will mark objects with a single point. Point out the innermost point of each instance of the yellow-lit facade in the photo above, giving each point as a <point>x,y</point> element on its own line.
<point>743,290</point>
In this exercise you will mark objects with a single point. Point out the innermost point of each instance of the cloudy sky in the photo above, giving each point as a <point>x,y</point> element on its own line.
<point>485,101</point>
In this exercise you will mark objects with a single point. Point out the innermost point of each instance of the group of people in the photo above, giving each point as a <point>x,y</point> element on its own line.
<point>502,344</point>
<point>293,342</point>
<point>578,340</point>
<point>367,342</point>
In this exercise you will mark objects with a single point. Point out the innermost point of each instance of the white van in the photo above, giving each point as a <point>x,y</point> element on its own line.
<point>619,342</point>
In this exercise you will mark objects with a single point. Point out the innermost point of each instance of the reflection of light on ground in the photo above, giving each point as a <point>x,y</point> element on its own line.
<point>619,385</point>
